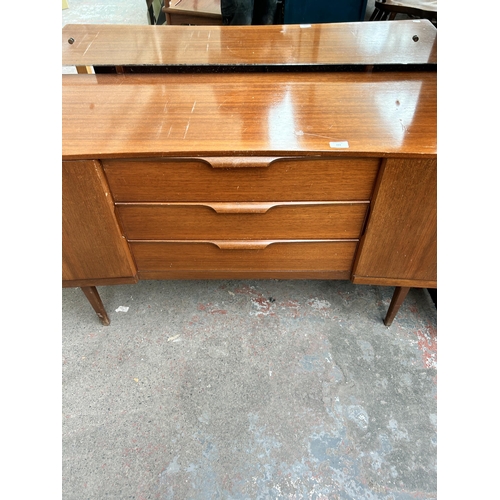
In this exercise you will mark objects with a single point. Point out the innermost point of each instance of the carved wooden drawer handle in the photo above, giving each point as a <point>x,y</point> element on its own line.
<point>238,162</point>
<point>261,244</point>
<point>241,208</point>
<point>242,245</point>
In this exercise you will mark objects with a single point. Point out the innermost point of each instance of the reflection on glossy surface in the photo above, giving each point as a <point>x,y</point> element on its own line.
<point>389,42</point>
<point>281,122</point>
<point>394,43</point>
<point>270,113</point>
<point>397,107</point>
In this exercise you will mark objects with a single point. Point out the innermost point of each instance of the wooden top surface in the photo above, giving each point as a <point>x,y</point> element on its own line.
<point>271,114</point>
<point>368,43</point>
<point>191,7</point>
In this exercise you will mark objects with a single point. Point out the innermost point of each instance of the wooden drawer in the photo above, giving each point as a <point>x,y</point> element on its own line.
<point>247,221</point>
<point>242,179</point>
<point>244,256</point>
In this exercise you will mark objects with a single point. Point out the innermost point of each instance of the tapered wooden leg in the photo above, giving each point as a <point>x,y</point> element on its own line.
<point>95,301</point>
<point>397,299</point>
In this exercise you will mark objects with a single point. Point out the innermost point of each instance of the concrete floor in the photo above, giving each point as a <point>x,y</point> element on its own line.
<point>246,389</point>
<point>249,390</point>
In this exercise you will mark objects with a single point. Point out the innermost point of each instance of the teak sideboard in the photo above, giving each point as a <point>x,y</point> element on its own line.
<point>311,157</point>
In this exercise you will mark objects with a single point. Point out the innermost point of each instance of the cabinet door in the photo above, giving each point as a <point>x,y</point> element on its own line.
<point>399,247</point>
<point>94,250</point>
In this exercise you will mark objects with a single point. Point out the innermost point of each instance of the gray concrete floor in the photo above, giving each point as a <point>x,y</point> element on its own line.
<point>245,389</point>
<point>249,390</point>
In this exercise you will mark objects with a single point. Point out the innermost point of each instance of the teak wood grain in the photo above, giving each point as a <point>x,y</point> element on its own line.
<point>363,114</point>
<point>291,221</point>
<point>400,243</point>
<point>268,256</point>
<point>93,246</point>
<point>335,179</point>
<point>365,43</point>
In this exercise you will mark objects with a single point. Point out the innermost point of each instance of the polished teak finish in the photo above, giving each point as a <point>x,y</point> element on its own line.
<point>313,175</point>
<point>248,115</point>
<point>391,42</point>
<point>94,250</point>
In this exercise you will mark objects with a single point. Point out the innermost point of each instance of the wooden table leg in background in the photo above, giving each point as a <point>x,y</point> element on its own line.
<point>95,301</point>
<point>397,299</point>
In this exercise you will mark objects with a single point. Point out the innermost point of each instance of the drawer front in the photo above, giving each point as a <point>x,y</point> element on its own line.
<point>242,180</point>
<point>247,221</point>
<point>276,256</point>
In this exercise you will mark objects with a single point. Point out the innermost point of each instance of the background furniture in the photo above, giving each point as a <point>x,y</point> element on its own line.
<point>419,9</point>
<point>238,172</point>
<point>208,12</point>
<point>195,12</point>
<point>155,11</point>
